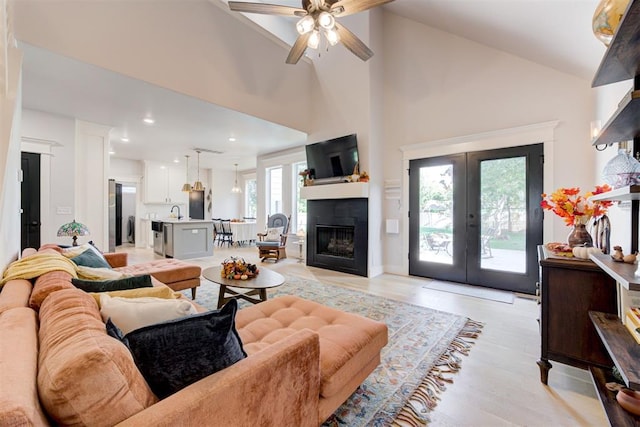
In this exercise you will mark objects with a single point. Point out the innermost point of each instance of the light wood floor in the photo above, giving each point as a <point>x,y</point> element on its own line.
<point>499,384</point>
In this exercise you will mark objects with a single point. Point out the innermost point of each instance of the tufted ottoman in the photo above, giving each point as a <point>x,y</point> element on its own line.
<point>176,274</point>
<point>349,344</point>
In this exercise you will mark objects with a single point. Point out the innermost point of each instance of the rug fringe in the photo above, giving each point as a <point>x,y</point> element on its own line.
<point>425,398</point>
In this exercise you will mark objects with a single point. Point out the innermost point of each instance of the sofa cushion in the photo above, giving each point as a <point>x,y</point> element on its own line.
<point>273,234</point>
<point>165,270</point>
<point>19,404</point>
<point>347,341</point>
<point>133,282</point>
<point>89,258</point>
<point>154,292</point>
<point>48,283</point>
<point>171,355</point>
<point>15,293</point>
<point>133,313</point>
<point>86,255</point>
<point>85,377</point>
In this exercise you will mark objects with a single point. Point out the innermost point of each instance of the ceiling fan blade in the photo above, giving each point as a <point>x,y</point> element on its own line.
<point>267,9</point>
<point>349,7</point>
<point>353,43</point>
<point>298,48</point>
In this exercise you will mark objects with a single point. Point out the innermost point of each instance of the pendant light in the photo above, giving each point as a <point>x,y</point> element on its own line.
<point>197,186</point>
<point>187,187</point>
<point>235,188</point>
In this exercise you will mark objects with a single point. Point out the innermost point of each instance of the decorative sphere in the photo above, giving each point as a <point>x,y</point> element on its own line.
<point>607,17</point>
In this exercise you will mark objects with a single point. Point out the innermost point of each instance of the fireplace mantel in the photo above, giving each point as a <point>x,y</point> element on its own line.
<point>348,190</point>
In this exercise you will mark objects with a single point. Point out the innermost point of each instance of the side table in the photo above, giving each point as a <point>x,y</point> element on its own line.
<point>300,244</point>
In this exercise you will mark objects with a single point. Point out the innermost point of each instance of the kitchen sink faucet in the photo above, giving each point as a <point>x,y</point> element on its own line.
<point>176,206</point>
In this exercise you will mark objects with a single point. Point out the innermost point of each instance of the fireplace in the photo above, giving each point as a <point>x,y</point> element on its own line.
<point>337,235</point>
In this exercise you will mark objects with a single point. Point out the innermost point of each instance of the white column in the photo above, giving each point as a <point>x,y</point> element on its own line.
<point>91,186</point>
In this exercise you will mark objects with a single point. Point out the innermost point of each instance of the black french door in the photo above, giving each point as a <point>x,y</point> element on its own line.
<point>475,217</point>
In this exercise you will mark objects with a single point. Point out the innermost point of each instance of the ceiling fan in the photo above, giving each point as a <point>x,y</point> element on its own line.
<point>317,17</point>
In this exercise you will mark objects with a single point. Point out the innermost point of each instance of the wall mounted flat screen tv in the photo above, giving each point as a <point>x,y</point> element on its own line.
<point>332,158</point>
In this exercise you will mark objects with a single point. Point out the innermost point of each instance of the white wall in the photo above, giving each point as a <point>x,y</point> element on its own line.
<point>438,86</point>
<point>56,135</point>
<point>225,204</point>
<point>197,47</point>
<point>10,117</point>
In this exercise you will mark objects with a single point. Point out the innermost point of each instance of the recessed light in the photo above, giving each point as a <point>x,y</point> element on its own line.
<point>148,120</point>
<point>176,161</point>
<point>232,139</point>
<point>111,152</point>
<point>124,139</point>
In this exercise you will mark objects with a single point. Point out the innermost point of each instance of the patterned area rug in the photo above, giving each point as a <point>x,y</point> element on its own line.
<point>422,353</point>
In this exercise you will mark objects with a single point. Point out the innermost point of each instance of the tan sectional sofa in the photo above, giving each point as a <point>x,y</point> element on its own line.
<point>59,366</point>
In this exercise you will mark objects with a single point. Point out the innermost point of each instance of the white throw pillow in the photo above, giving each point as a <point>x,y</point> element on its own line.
<point>273,234</point>
<point>134,313</point>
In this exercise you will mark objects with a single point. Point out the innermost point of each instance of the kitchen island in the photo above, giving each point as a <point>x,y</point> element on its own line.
<point>184,239</point>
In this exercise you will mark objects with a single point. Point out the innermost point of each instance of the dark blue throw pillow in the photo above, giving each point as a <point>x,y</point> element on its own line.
<point>173,354</point>
<point>133,282</point>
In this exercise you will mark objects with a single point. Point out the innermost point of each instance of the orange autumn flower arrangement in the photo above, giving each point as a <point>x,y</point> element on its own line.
<point>574,208</point>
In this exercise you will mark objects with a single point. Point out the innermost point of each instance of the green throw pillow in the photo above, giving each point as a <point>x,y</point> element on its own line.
<point>90,258</point>
<point>173,354</point>
<point>133,282</point>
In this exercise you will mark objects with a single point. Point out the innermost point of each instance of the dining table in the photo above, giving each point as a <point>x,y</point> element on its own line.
<point>243,232</point>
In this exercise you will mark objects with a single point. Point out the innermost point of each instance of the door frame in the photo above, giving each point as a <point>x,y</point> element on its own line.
<point>503,138</point>
<point>45,148</point>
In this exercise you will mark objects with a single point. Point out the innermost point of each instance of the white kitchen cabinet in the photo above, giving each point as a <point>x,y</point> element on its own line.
<point>163,183</point>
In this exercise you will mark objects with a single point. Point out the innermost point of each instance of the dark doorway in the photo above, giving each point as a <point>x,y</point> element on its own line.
<point>30,201</point>
<point>118,214</point>
<point>476,218</point>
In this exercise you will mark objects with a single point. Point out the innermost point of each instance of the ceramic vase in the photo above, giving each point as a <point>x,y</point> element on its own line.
<point>606,19</point>
<point>579,236</point>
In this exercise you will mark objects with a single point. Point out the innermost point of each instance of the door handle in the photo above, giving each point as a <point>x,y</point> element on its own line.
<point>34,224</point>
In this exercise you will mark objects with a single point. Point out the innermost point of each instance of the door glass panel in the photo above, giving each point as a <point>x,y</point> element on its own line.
<point>503,213</point>
<point>436,214</point>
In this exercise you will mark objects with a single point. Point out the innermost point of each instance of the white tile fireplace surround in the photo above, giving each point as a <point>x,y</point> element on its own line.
<point>338,226</point>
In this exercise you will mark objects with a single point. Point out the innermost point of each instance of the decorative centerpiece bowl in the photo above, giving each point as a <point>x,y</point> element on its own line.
<point>237,268</point>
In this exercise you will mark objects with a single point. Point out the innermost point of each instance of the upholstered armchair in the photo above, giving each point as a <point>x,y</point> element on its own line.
<point>272,243</point>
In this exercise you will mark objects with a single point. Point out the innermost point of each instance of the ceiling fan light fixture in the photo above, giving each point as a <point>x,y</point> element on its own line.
<point>305,25</point>
<point>332,36</point>
<point>314,40</point>
<point>326,20</point>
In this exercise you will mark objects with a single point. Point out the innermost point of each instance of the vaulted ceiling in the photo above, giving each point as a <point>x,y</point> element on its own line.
<point>555,33</point>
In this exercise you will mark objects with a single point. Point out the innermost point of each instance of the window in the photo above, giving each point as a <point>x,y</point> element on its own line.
<point>250,198</point>
<point>299,214</point>
<point>274,190</point>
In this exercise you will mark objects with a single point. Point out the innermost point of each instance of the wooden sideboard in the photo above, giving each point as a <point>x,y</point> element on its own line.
<point>569,289</point>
